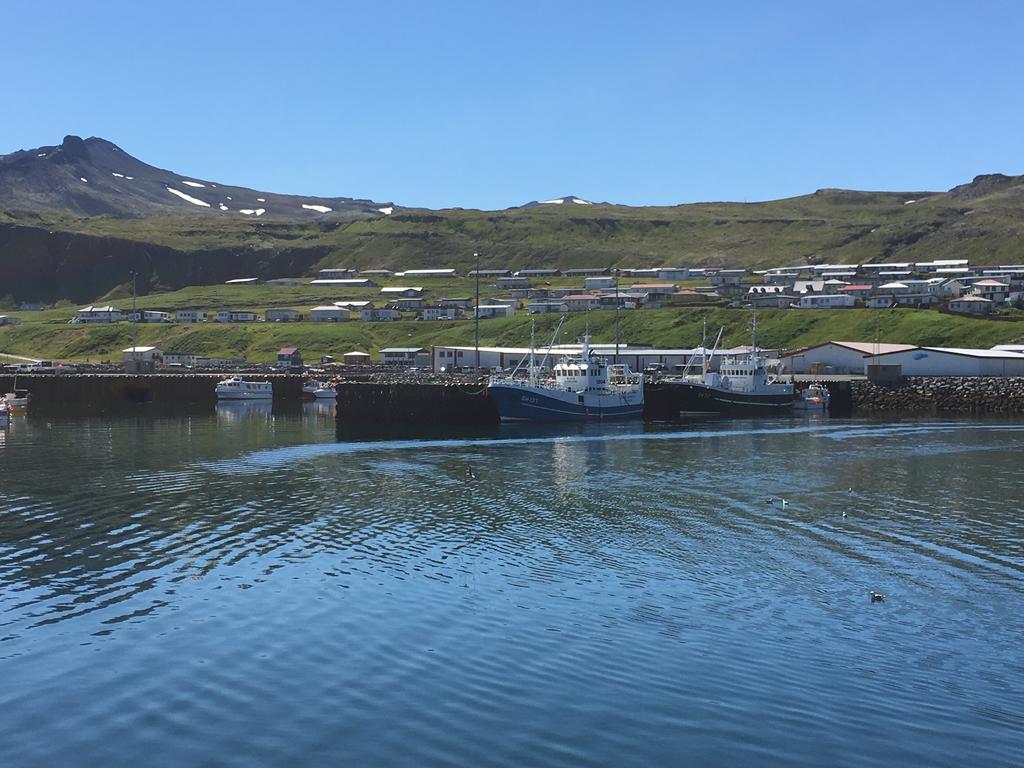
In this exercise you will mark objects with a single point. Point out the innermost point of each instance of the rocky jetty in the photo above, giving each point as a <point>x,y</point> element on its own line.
<point>941,394</point>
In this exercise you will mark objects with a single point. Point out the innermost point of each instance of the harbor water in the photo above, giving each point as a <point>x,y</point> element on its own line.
<point>239,586</point>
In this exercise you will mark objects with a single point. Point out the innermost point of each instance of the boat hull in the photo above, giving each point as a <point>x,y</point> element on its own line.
<point>700,398</point>
<point>537,404</point>
<point>221,395</point>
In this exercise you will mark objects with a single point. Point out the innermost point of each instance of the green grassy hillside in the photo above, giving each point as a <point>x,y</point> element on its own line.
<point>49,335</point>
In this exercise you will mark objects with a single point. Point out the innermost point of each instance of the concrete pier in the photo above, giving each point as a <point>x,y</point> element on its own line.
<point>55,390</point>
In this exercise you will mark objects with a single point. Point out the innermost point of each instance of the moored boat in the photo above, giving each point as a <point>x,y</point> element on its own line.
<point>5,413</point>
<point>19,398</point>
<point>319,390</point>
<point>584,388</point>
<point>237,388</point>
<point>813,398</point>
<point>742,385</point>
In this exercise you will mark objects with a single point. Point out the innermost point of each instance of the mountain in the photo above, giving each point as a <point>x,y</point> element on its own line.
<point>94,177</point>
<point>65,238</point>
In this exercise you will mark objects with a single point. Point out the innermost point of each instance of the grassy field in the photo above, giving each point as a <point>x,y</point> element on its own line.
<point>47,334</point>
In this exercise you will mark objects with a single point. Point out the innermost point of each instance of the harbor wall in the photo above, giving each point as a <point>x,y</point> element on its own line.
<point>55,390</point>
<point>414,403</point>
<point>941,394</point>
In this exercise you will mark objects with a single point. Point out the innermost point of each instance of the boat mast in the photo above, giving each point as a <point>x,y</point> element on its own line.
<point>533,344</point>
<point>135,320</point>
<point>704,350</point>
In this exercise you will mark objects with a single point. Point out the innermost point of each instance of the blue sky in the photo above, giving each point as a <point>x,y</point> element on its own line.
<point>487,104</point>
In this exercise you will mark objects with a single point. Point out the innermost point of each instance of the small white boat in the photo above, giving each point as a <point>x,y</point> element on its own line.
<point>19,398</point>
<point>237,388</point>
<point>319,390</point>
<point>5,413</point>
<point>812,399</point>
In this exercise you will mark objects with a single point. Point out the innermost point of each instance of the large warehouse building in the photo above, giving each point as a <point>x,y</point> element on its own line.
<point>853,358</point>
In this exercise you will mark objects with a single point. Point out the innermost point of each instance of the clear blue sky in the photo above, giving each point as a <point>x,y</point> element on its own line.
<point>487,104</point>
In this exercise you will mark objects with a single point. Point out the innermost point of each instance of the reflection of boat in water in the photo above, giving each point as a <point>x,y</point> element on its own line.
<point>324,408</point>
<point>237,388</point>
<point>319,390</point>
<point>741,385</point>
<point>585,388</point>
<point>813,399</point>
<point>235,411</point>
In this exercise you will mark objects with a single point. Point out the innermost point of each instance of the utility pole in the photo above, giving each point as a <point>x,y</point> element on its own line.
<point>135,317</point>
<point>477,254</point>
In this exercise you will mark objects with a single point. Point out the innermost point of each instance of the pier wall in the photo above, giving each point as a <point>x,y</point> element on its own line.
<point>941,394</point>
<point>54,390</point>
<point>412,403</point>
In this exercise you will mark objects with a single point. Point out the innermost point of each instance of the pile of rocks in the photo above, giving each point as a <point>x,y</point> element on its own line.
<point>941,394</point>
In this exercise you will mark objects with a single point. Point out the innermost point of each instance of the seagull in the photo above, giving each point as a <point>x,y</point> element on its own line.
<point>785,503</point>
<point>844,513</point>
<point>876,597</point>
<point>849,490</point>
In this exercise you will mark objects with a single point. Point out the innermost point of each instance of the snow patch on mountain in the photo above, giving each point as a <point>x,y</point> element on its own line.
<point>187,198</point>
<point>317,208</point>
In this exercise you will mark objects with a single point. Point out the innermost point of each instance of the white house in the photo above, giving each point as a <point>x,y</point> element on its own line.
<point>235,316</point>
<point>142,359</point>
<point>328,314</point>
<point>402,292</point>
<point>98,315</point>
<point>825,301</point>
<point>405,356</point>
<point>580,302</point>
<point>994,290</point>
<point>337,273</point>
<point>495,310</point>
<point>190,316</point>
<point>512,282</point>
<point>243,281</point>
<point>356,358</point>
<point>971,305</point>
<point>150,316</point>
<point>348,282</point>
<point>598,283</point>
<point>383,315</point>
<point>282,316</point>
<point>439,313</point>
<point>427,273</point>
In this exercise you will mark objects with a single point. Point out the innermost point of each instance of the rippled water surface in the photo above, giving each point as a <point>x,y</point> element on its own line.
<point>240,587</point>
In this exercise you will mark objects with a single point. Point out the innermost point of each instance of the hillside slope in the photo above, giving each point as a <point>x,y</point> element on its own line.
<point>60,241</point>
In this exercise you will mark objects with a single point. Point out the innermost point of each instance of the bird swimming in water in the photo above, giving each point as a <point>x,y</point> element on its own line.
<point>876,597</point>
<point>844,513</point>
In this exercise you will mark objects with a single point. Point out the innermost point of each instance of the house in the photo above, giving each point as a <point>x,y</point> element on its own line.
<point>858,290</point>
<point>189,316</point>
<point>328,313</point>
<point>512,282</point>
<point>655,290</point>
<point>537,273</point>
<point>142,359</point>
<point>880,302</point>
<point>495,310</point>
<point>336,273</point>
<point>180,359</point>
<point>282,316</point>
<point>345,282</point>
<point>727,278</point>
<point>672,273</point>
<point>580,302</point>
<point>993,290</point>
<point>92,314</point>
<point>439,313</point>
<point>407,356</point>
<point>971,305</point>
<point>825,301</point>
<point>376,272</point>
<point>284,281</point>
<point>801,287</point>
<point>384,315</point>
<point>358,306</point>
<point>243,281</point>
<point>150,316</point>
<point>427,273</point>
<point>584,271</point>
<point>235,316</point>
<point>8,320</point>
<point>289,357</point>
<point>769,296</point>
<point>356,358</point>
<point>407,305</point>
<point>543,307</point>
<point>489,273</point>
<point>598,283</point>
<point>458,303</point>
<point>402,292</point>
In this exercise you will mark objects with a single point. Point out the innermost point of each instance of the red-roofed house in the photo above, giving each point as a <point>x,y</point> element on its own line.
<point>860,291</point>
<point>580,302</point>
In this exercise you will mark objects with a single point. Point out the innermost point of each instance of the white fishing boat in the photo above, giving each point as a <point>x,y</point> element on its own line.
<point>237,388</point>
<point>319,390</point>
<point>813,399</point>
<point>585,388</point>
<point>19,398</point>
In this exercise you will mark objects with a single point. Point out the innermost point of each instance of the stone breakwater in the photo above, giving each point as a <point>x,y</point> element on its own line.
<point>941,394</point>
